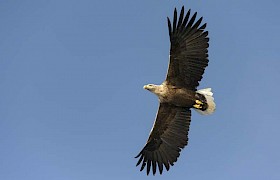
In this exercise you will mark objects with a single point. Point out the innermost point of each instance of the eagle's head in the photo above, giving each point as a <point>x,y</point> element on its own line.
<point>159,90</point>
<point>150,87</point>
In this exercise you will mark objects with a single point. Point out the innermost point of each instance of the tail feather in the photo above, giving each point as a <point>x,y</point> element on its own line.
<point>208,94</point>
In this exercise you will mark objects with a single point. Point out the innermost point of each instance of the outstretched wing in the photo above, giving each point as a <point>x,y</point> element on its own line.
<point>168,136</point>
<point>188,51</point>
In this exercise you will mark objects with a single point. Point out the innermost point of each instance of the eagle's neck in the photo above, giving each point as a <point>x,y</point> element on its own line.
<point>160,91</point>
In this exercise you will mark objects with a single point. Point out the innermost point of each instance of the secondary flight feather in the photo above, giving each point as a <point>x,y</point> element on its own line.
<point>178,93</point>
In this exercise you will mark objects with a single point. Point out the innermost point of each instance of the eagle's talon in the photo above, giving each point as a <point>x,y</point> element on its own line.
<point>198,102</point>
<point>197,106</point>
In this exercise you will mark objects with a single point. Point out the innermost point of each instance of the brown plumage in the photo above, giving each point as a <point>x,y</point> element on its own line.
<point>177,94</point>
<point>188,51</point>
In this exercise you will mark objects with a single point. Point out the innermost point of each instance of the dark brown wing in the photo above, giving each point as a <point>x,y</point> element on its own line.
<point>188,51</point>
<point>168,136</point>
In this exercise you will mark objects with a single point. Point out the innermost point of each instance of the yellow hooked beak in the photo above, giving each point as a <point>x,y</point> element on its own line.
<point>145,87</point>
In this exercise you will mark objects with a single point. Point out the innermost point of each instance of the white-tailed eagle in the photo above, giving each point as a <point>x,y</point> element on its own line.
<point>178,93</point>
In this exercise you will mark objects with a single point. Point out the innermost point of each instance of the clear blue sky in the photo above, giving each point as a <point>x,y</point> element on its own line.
<point>72,105</point>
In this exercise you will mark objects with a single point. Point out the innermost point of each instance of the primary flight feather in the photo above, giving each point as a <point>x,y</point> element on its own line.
<point>178,93</point>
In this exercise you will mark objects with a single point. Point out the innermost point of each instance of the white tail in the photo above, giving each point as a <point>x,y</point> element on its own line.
<point>210,101</point>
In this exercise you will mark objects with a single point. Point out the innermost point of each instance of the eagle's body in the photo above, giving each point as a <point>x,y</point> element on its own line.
<point>178,94</point>
<point>173,95</point>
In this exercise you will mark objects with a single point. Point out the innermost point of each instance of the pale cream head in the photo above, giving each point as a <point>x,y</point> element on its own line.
<point>150,87</point>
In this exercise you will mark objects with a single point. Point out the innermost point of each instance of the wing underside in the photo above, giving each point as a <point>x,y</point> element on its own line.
<point>188,51</point>
<point>168,136</point>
